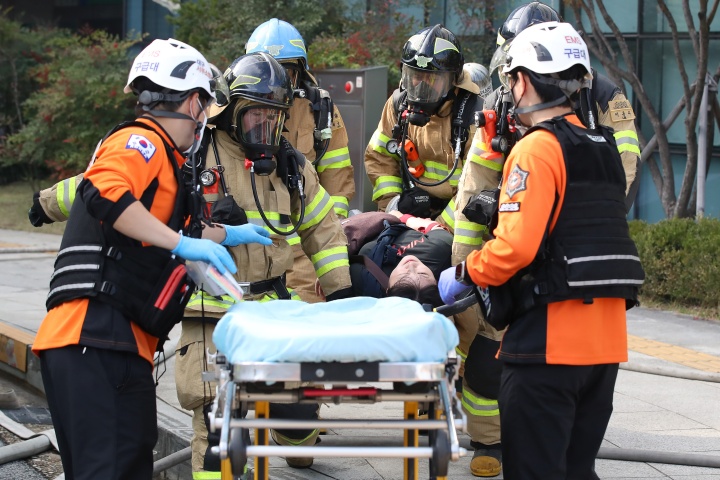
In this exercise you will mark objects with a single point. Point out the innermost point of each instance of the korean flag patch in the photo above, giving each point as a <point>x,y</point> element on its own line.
<point>142,145</point>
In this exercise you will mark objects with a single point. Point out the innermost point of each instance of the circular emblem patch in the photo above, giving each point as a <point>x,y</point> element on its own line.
<point>517,181</point>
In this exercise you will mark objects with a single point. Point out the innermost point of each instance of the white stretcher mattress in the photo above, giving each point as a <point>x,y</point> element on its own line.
<point>357,329</point>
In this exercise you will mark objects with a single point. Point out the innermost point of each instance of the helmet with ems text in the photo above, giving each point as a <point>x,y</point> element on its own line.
<point>547,48</point>
<point>173,66</point>
<point>556,59</point>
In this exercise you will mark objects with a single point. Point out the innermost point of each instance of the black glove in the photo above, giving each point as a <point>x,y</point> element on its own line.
<point>340,294</point>
<point>416,202</point>
<point>483,208</point>
<point>36,214</point>
<point>228,212</point>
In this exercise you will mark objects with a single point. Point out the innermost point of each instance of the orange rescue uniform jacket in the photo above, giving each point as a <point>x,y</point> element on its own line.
<point>128,163</point>
<point>567,332</point>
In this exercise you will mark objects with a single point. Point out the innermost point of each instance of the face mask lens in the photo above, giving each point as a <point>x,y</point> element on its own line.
<point>505,81</point>
<point>424,86</point>
<point>219,86</point>
<point>262,126</point>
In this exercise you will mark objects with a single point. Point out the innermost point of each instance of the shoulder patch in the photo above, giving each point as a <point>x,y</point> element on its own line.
<point>517,181</point>
<point>142,145</point>
<point>509,207</point>
<point>622,112</point>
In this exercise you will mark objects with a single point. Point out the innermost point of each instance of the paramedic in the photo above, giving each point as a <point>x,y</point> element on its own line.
<point>558,211</point>
<point>97,358</point>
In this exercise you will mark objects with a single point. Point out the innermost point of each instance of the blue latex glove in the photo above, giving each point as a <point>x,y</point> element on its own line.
<point>205,250</point>
<point>449,287</point>
<point>243,234</point>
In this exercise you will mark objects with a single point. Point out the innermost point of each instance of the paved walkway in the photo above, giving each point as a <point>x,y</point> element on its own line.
<point>670,414</point>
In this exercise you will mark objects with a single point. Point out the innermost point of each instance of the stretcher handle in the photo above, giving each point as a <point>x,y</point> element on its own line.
<point>459,306</point>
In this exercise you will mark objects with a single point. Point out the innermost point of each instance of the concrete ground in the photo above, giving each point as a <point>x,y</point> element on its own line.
<point>674,416</point>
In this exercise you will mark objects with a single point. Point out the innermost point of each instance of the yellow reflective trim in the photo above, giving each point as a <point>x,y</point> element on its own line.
<point>208,475</point>
<point>378,142</point>
<point>322,199</point>
<point>385,185</point>
<point>340,205</point>
<point>625,133</point>
<point>478,406</point>
<point>449,219</point>
<point>462,354</point>
<point>65,195</point>
<point>293,239</point>
<point>332,266</point>
<point>244,80</point>
<point>441,45</point>
<point>466,225</point>
<point>273,217</point>
<point>322,266</point>
<point>492,165</point>
<point>465,240</point>
<point>627,147</point>
<point>298,43</point>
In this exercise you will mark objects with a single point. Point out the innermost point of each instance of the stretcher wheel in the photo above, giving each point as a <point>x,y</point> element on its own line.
<point>441,454</point>
<point>237,450</point>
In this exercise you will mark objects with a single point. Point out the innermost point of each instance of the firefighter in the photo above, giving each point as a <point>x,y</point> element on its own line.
<point>314,126</point>
<point>415,156</point>
<point>271,185</point>
<point>563,253</point>
<point>96,343</point>
<point>436,51</point>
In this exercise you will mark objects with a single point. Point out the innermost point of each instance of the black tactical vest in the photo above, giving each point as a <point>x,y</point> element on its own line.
<point>589,253</point>
<point>96,261</point>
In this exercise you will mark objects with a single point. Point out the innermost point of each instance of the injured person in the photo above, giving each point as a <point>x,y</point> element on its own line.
<point>396,255</point>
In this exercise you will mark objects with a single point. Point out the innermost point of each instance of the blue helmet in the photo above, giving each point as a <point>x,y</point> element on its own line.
<point>280,39</point>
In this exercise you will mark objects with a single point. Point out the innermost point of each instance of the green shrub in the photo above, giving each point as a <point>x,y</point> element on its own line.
<point>78,97</point>
<point>680,258</point>
<point>376,37</point>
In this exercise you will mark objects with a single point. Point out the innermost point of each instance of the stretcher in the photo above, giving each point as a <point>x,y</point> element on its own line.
<point>361,351</point>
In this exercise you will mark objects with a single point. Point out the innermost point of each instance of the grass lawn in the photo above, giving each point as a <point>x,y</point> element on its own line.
<point>15,201</point>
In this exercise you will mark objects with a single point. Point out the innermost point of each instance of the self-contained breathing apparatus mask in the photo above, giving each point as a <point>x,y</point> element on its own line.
<point>426,91</point>
<point>258,128</point>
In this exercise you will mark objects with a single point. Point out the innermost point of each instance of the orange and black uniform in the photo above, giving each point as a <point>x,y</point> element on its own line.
<point>562,197</point>
<point>96,363</point>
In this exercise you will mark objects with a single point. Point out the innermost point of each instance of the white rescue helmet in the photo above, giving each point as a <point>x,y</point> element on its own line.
<point>174,65</point>
<point>546,48</point>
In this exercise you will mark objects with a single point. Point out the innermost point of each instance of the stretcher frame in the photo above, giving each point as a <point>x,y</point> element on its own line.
<point>254,385</point>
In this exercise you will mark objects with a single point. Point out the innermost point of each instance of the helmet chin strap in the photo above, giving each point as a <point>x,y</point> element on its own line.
<point>568,87</point>
<point>540,106</point>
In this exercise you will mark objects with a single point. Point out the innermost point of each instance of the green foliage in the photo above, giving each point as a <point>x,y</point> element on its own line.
<point>375,37</point>
<point>680,258</point>
<point>77,98</point>
<point>477,34</point>
<point>20,50</point>
<point>220,28</point>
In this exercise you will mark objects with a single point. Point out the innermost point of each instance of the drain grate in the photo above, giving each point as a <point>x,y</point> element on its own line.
<point>34,415</point>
